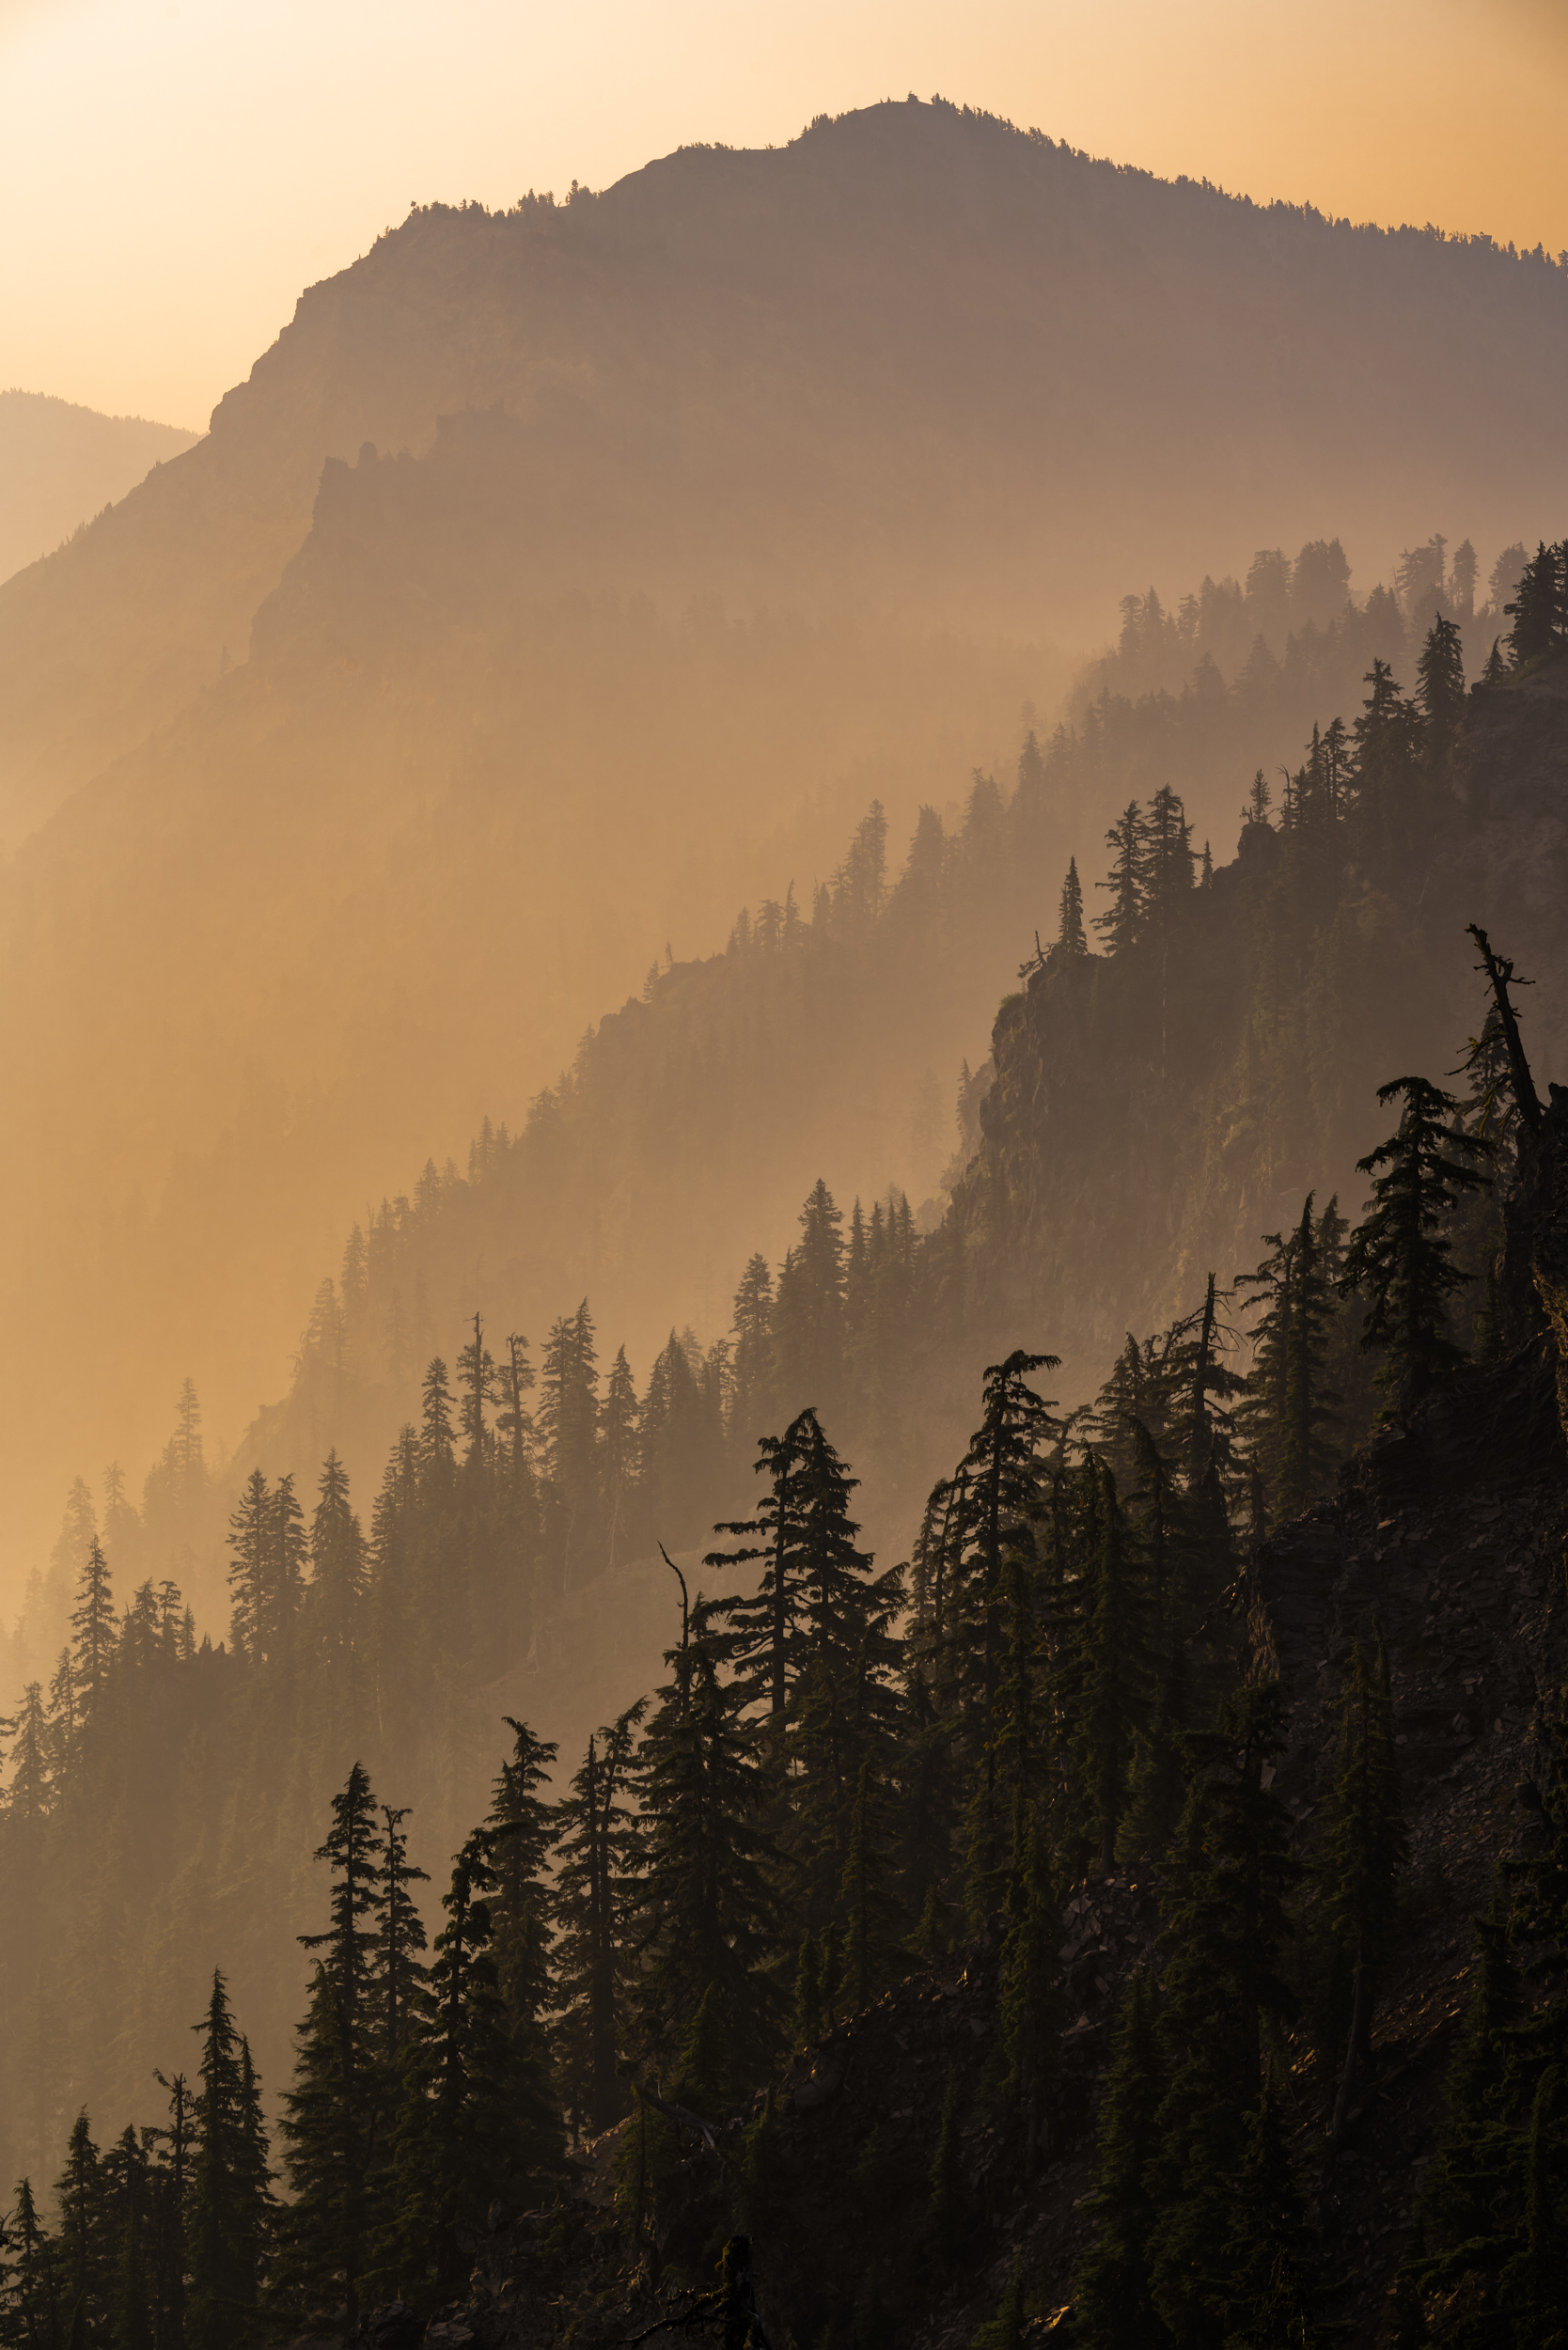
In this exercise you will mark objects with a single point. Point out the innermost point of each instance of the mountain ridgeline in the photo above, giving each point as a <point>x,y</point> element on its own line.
<point>60,465</point>
<point>909,1767</point>
<point>648,370</point>
<point>552,586</point>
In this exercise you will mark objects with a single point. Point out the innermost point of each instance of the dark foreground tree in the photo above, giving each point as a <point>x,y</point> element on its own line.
<point>463,2133</point>
<point>1399,1258</point>
<point>232,2211</point>
<point>1113,2293</point>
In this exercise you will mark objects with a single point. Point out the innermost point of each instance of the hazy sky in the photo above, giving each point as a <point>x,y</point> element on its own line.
<point>173,171</point>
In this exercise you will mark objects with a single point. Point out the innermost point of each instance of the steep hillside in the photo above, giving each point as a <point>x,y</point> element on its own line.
<point>62,464</point>
<point>762,482</point>
<point>1145,1116</point>
<point>1463,1567</point>
<point>163,1791</point>
<point>884,2179</point>
<point>1154,1113</point>
<point>371,888</point>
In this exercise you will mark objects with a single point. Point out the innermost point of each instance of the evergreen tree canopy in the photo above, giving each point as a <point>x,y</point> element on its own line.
<point>1399,1258</point>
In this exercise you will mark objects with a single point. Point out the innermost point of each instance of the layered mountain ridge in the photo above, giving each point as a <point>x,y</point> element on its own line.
<point>763,479</point>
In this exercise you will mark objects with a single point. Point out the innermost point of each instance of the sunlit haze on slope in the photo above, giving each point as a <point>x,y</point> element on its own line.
<point>173,175</point>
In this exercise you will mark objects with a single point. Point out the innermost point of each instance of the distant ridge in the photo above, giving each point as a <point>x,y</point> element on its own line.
<point>61,463</point>
<point>916,355</point>
<point>563,579</point>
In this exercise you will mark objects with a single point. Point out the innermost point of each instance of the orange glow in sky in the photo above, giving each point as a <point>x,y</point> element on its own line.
<point>173,171</point>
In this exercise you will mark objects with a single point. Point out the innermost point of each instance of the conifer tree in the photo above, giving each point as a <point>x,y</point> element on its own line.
<point>338,1574</point>
<point>476,1385</point>
<point>1113,2289</point>
<point>513,1423</point>
<point>61,1730</point>
<point>229,2190</point>
<point>1399,1258</point>
<point>1441,691</point>
<point>845,1703</point>
<point>1192,1359</point>
<point>1259,801</point>
<point>399,1967</point>
<point>286,1581</point>
<point>1540,621</point>
<point>170,2200</point>
<point>1111,1664</point>
<point>618,1418</point>
<point>1290,1405</point>
<point>460,2138</point>
<point>92,1620</point>
<point>1226,1931</point>
<point>1478,2151</point>
<point>707,1914</point>
<point>83,2249</point>
<point>30,2309</point>
<point>1005,2331</point>
<point>751,1355</point>
<point>1030,1989</point>
<point>1386,804</point>
<point>437,1444</point>
<point>569,1423</point>
<point>871,1908</point>
<point>1121,924</point>
<point>1003,1473</point>
<point>523,1830</point>
<point>1168,860</point>
<point>1364,1849</point>
<point>249,1541</point>
<point>808,1310</point>
<point>680,1441</point>
<point>1071,940</point>
<point>336,2109</point>
<point>521,1833</point>
<point>599,1845</point>
<point>126,2170</point>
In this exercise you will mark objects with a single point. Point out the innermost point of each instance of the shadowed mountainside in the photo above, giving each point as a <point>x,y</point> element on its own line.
<point>916,355</point>
<point>710,509</point>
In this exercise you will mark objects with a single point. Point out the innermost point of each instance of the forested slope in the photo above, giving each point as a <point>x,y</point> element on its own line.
<point>162,1790</point>
<point>376,776</point>
<point>1074,1924</point>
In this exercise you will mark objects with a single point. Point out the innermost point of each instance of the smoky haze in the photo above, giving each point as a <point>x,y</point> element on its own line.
<point>709,809</point>
<point>562,580</point>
